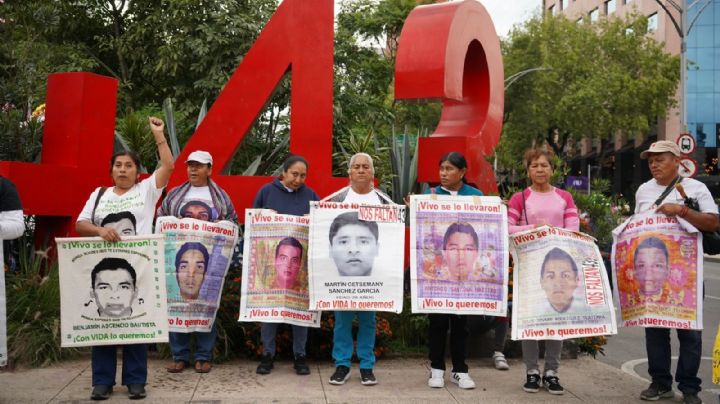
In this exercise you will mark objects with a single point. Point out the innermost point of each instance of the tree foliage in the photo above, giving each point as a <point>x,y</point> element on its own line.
<point>596,79</point>
<point>187,49</point>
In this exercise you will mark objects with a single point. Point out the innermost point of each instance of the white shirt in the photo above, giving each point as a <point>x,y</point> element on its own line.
<point>201,194</point>
<point>371,198</point>
<point>648,193</point>
<point>140,201</point>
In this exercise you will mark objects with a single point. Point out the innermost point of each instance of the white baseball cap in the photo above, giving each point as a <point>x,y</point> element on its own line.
<point>200,156</point>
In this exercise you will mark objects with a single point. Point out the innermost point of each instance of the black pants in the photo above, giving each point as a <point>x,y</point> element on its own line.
<point>439,324</point>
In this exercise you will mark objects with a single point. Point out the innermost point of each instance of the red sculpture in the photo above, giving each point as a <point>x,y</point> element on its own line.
<point>448,52</point>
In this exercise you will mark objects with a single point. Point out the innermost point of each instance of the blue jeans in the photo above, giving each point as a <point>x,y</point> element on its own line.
<point>343,339</point>
<point>268,332</point>
<point>134,364</point>
<point>204,343</point>
<point>657,342</point>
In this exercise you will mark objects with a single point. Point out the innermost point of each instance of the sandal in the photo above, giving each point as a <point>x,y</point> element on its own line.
<point>203,366</point>
<point>176,367</point>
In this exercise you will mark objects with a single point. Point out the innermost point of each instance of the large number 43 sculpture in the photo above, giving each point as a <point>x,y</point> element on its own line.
<point>447,52</point>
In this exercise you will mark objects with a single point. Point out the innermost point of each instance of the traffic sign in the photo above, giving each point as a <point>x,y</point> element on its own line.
<point>687,143</point>
<point>688,167</point>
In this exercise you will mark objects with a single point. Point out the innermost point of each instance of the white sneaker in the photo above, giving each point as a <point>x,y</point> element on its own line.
<point>500,361</point>
<point>463,380</point>
<point>437,378</point>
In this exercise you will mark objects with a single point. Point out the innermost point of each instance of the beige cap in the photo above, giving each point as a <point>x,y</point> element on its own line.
<point>662,146</point>
<point>200,156</point>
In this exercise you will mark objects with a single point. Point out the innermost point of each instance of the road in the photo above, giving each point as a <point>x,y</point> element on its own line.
<point>627,349</point>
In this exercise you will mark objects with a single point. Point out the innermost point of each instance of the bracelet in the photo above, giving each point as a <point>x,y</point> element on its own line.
<point>683,211</point>
<point>161,142</point>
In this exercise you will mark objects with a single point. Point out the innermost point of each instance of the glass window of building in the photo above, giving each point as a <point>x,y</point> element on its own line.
<point>594,15</point>
<point>564,4</point>
<point>652,22</point>
<point>551,10</point>
<point>609,7</point>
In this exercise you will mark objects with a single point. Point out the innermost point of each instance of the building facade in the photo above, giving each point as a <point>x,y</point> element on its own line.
<point>620,160</point>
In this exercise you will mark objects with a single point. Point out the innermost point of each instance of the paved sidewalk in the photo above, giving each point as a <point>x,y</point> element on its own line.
<point>400,380</point>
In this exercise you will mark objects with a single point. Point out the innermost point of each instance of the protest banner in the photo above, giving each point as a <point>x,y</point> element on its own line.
<point>658,272</point>
<point>112,293</point>
<point>3,317</point>
<point>275,275</point>
<point>458,255</point>
<point>197,257</point>
<point>561,287</point>
<point>356,256</point>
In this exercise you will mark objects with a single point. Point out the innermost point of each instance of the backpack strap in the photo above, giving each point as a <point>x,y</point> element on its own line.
<point>524,208</point>
<point>667,190</point>
<point>101,191</point>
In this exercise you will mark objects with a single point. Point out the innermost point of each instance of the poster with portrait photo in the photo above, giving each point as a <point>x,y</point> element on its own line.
<point>458,255</point>
<point>3,316</point>
<point>356,256</point>
<point>561,289</point>
<point>112,293</point>
<point>275,275</point>
<point>657,262</point>
<point>197,257</point>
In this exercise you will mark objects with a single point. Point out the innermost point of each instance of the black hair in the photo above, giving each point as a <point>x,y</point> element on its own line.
<point>195,203</point>
<point>193,245</point>
<point>116,217</point>
<point>456,159</point>
<point>291,241</point>
<point>133,156</point>
<point>295,158</point>
<point>112,264</point>
<point>464,228</point>
<point>558,254</point>
<point>651,242</point>
<point>348,218</point>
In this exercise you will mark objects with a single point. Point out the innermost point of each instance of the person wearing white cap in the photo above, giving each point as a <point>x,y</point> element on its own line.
<point>198,198</point>
<point>664,160</point>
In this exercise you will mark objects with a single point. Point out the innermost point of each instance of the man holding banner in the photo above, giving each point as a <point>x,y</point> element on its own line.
<point>661,195</point>
<point>202,199</point>
<point>353,253</point>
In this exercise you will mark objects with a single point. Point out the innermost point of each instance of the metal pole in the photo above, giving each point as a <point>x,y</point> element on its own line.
<point>683,67</point>
<point>589,178</point>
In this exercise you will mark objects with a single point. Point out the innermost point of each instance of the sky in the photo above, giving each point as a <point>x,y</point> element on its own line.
<point>504,13</point>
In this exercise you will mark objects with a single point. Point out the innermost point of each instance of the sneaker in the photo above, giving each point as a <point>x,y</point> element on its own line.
<point>533,383</point>
<point>437,378</point>
<point>136,391</point>
<point>301,368</point>
<point>367,378</point>
<point>266,364</point>
<point>691,398</point>
<point>101,392</point>
<point>342,373</point>
<point>656,391</point>
<point>500,361</point>
<point>552,383</point>
<point>463,380</point>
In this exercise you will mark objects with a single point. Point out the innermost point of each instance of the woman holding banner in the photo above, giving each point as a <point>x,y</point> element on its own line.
<point>139,198</point>
<point>538,205</point>
<point>286,194</point>
<point>458,237</point>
